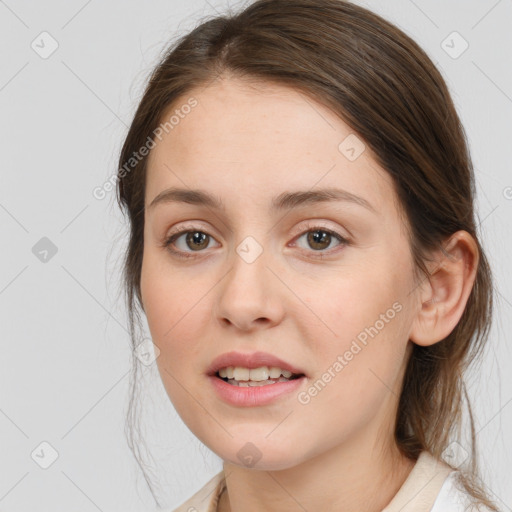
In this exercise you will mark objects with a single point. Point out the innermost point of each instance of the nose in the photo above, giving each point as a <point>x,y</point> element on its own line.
<point>250,296</point>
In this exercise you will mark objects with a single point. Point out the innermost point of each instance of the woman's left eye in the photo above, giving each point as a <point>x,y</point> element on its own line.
<point>318,238</point>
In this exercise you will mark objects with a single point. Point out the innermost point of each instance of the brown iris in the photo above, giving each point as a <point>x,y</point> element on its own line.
<point>318,236</point>
<point>195,238</point>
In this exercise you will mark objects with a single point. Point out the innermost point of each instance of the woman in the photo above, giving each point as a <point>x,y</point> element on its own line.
<point>303,244</point>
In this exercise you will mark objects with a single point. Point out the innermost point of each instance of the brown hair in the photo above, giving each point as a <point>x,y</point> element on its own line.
<point>386,88</point>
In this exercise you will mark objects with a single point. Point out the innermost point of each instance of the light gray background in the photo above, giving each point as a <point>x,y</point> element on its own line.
<point>65,349</point>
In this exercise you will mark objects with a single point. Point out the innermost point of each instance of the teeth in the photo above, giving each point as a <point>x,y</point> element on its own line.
<point>254,374</point>
<point>250,383</point>
<point>275,373</point>
<point>259,374</point>
<point>241,373</point>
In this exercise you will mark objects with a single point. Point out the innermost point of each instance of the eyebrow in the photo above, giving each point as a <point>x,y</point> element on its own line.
<point>284,201</point>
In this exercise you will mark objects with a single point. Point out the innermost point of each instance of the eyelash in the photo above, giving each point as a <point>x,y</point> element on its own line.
<point>188,229</point>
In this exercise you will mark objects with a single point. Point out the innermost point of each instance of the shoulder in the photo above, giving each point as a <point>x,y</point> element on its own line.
<point>453,497</point>
<point>206,498</point>
<point>433,486</point>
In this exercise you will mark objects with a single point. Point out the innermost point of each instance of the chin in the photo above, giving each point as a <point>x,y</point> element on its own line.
<point>261,456</point>
<point>264,464</point>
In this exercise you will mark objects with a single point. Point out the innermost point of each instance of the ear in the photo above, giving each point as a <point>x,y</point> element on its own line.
<point>444,294</point>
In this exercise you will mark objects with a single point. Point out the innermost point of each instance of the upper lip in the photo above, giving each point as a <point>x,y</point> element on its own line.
<point>251,361</point>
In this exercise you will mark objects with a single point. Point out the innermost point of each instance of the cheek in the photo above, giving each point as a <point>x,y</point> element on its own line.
<point>174,315</point>
<point>162,305</point>
<point>357,372</point>
<point>359,329</point>
<point>177,311</point>
<point>343,307</point>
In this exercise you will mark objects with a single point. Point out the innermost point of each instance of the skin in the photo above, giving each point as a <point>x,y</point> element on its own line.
<point>247,145</point>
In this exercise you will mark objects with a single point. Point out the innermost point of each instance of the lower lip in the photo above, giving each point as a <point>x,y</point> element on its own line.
<point>252,396</point>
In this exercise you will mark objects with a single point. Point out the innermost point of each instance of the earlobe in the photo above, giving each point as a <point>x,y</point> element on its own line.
<point>444,294</point>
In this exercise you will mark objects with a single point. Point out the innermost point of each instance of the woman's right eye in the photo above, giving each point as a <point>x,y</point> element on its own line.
<point>195,239</point>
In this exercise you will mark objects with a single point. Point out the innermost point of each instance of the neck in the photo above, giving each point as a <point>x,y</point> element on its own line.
<point>341,479</point>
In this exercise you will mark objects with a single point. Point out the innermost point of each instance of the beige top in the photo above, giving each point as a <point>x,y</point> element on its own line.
<point>417,494</point>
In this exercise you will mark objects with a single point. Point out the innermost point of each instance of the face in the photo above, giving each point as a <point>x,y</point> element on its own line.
<point>324,285</point>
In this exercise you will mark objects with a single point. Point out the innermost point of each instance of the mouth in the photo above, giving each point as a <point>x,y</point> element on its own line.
<point>263,376</point>
<point>253,369</point>
<point>257,386</point>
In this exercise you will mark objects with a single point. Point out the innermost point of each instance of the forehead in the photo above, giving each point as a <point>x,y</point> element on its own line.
<point>258,140</point>
<point>236,118</point>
